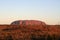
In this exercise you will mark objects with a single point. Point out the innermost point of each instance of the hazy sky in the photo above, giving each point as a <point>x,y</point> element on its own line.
<point>44,10</point>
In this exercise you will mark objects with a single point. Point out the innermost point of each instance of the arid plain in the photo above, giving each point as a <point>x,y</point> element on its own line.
<point>26,31</point>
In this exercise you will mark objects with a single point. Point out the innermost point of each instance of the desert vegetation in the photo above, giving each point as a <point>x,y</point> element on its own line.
<point>17,32</point>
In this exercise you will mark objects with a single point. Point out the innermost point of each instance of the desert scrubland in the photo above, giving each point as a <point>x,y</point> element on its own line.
<point>23,32</point>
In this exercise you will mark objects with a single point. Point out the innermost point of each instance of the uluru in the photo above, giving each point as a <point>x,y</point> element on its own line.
<point>28,22</point>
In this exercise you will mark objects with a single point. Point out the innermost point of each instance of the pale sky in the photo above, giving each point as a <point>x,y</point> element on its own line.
<point>47,11</point>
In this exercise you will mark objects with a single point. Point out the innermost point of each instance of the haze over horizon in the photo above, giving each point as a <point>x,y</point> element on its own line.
<point>47,11</point>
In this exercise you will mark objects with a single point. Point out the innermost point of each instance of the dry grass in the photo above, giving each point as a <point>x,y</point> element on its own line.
<point>17,32</point>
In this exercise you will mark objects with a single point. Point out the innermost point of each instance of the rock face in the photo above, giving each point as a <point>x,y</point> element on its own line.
<point>30,24</point>
<point>27,22</point>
